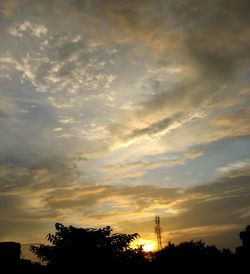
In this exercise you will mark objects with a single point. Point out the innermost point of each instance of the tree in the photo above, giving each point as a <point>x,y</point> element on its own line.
<point>87,247</point>
<point>189,256</point>
<point>244,250</point>
<point>188,250</point>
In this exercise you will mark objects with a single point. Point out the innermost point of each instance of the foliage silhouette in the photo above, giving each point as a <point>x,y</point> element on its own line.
<point>244,250</point>
<point>193,256</point>
<point>187,250</point>
<point>74,250</point>
<point>88,247</point>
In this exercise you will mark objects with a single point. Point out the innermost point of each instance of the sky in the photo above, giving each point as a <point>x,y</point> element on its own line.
<point>113,112</point>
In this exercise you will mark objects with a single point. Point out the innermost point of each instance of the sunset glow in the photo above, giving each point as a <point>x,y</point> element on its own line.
<point>148,247</point>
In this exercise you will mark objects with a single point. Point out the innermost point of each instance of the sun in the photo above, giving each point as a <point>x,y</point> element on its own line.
<point>148,247</point>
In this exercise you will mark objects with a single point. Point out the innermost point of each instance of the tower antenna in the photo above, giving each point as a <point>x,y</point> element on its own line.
<point>158,231</point>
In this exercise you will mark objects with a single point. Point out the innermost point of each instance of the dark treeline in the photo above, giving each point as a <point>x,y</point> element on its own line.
<point>89,250</point>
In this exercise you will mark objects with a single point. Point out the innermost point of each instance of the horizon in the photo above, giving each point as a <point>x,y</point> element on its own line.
<point>113,112</point>
<point>148,247</point>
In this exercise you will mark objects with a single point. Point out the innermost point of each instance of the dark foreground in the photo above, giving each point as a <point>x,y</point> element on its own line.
<point>81,250</point>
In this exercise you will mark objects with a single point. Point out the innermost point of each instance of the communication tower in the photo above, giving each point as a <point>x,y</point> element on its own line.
<point>158,231</point>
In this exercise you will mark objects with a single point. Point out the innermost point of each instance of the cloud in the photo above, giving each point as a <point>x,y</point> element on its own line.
<point>138,169</point>
<point>69,66</point>
<point>8,7</point>
<point>233,118</point>
<point>86,195</point>
<point>23,190</point>
<point>67,120</point>
<point>70,70</point>
<point>235,169</point>
<point>61,63</point>
<point>57,129</point>
<point>216,203</point>
<point>43,175</point>
<point>36,30</point>
<point>8,110</point>
<point>212,53</point>
<point>230,124</point>
<point>194,153</point>
<point>245,91</point>
<point>205,211</point>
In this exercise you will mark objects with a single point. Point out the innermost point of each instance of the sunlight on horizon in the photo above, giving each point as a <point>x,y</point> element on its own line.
<point>147,245</point>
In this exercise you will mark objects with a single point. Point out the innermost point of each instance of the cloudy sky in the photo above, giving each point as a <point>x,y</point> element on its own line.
<point>115,111</point>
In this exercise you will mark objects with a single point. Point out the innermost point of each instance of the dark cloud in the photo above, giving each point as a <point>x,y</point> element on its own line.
<point>157,127</point>
<point>216,39</point>
<point>93,195</point>
<point>214,45</point>
<point>220,207</point>
<point>22,222</point>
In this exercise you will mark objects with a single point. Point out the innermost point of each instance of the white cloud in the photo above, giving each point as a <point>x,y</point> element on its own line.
<point>63,103</point>
<point>91,133</point>
<point>57,129</point>
<point>61,64</point>
<point>67,120</point>
<point>238,168</point>
<point>18,30</point>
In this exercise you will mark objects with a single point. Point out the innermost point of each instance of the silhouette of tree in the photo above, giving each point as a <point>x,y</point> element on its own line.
<point>244,250</point>
<point>79,250</point>
<point>188,249</point>
<point>194,256</point>
<point>88,247</point>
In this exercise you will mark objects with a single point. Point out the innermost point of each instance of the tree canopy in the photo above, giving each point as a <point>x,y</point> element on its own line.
<point>71,246</point>
<point>244,250</point>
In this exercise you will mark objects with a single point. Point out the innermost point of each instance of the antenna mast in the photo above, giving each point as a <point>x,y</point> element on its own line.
<point>158,232</point>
